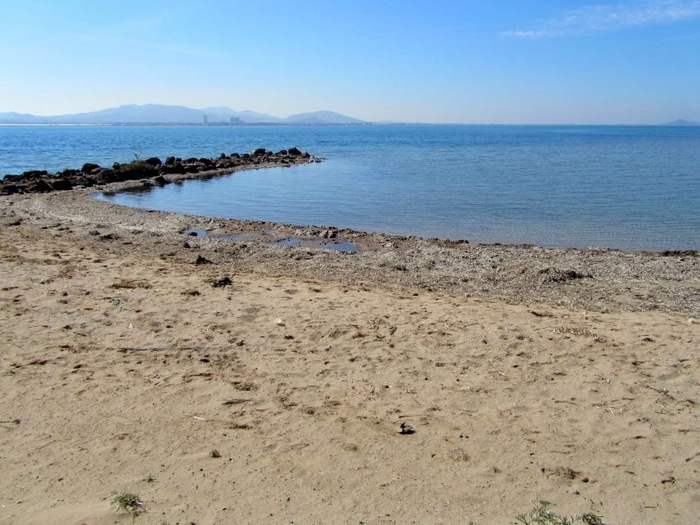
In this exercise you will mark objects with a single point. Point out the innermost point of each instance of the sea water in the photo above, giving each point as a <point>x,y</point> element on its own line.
<point>628,187</point>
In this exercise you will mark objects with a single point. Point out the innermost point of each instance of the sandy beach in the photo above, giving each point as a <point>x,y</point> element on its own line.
<point>410,381</point>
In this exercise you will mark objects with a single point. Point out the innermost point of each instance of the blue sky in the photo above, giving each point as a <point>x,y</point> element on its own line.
<point>497,61</point>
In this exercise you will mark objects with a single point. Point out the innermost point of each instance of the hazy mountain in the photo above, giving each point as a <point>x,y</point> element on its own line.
<point>162,114</point>
<point>19,118</point>
<point>681,122</point>
<point>321,117</point>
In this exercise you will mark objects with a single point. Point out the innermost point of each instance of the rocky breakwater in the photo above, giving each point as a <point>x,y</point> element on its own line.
<point>151,172</point>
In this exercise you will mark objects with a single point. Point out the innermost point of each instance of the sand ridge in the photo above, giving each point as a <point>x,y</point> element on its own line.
<point>123,367</point>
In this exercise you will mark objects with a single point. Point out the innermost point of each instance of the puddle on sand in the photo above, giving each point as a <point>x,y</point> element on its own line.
<point>194,233</point>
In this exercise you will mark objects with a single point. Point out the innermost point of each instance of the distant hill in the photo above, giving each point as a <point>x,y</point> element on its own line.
<point>321,117</point>
<point>163,114</point>
<point>681,122</point>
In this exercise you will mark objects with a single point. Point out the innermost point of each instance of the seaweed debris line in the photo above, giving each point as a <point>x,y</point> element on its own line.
<point>151,171</point>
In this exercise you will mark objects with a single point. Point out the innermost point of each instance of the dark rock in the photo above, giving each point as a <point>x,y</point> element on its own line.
<point>202,260</point>
<point>108,175</point>
<point>62,184</point>
<point>174,168</point>
<point>34,173</point>
<point>220,283</point>
<point>153,161</point>
<point>170,161</point>
<point>294,152</point>
<point>40,186</point>
<point>555,275</point>
<point>259,152</point>
<point>89,168</point>
<point>9,189</point>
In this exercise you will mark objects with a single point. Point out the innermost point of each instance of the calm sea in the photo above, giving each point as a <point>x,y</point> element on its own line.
<point>629,187</point>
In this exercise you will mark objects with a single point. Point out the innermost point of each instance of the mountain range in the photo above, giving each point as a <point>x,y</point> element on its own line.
<point>681,122</point>
<point>161,114</point>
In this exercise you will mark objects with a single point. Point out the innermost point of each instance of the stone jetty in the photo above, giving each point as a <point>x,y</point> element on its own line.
<point>151,171</point>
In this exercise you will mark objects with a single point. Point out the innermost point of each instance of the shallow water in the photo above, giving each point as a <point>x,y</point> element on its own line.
<point>630,187</point>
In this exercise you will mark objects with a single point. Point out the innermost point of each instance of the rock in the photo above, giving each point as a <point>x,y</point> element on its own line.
<point>89,168</point>
<point>62,184</point>
<point>294,152</point>
<point>220,283</point>
<point>555,275</point>
<point>153,161</point>
<point>405,428</point>
<point>34,173</point>
<point>40,186</point>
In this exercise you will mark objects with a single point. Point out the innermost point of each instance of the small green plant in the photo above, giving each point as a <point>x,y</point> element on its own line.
<point>543,515</point>
<point>149,478</point>
<point>214,453</point>
<point>128,502</point>
<point>592,519</point>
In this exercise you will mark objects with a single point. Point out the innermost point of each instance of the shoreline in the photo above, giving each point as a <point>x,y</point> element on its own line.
<point>604,280</point>
<point>131,352</point>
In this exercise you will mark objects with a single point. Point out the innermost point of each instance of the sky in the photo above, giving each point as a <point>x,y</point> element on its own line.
<point>457,61</point>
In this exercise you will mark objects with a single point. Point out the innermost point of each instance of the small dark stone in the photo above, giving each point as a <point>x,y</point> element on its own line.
<point>224,281</point>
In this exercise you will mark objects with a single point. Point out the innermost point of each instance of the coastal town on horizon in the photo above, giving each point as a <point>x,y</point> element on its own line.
<point>170,115</point>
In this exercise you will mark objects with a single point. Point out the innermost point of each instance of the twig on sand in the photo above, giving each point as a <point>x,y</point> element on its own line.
<point>159,349</point>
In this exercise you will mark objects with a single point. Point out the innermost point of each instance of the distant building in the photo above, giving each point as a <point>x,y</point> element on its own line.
<point>205,122</point>
<point>235,121</point>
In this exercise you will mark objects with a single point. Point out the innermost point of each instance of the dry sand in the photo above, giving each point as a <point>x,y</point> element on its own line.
<point>569,376</point>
